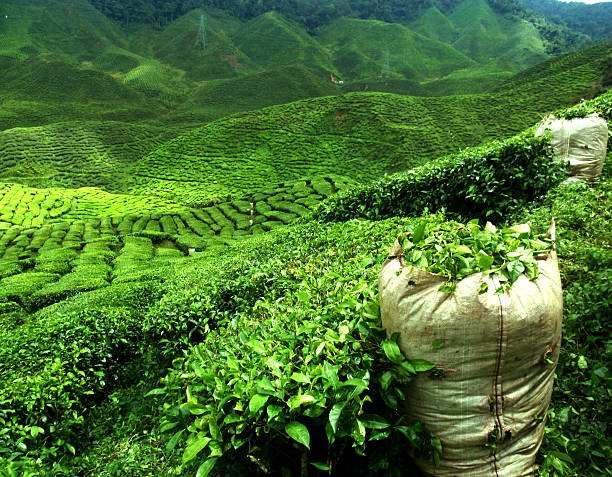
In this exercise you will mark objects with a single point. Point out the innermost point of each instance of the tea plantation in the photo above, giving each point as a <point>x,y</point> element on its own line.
<point>190,236</point>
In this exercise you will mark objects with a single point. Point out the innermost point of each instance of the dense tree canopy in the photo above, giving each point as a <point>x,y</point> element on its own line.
<point>311,13</point>
<point>593,20</point>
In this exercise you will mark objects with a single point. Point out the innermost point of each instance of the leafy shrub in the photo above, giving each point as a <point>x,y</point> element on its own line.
<point>601,105</point>
<point>58,365</point>
<point>483,182</point>
<point>20,287</point>
<point>292,364</point>
<point>85,278</point>
<point>577,440</point>
<point>191,241</point>
<point>455,251</point>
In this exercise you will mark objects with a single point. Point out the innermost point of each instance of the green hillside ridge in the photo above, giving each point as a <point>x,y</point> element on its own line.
<point>168,68</point>
<point>467,81</point>
<point>271,41</point>
<point>488,37</point>
<point>175,45</point>
<point>359,135</point>
<point>359,48</point>
<point>35,91</point>
<point>402,130</point>
<point>434,24</point>
<point>76,153</point>
<point>73,30</point>
<point>590,19</point>
<point>217,98</point>
<point>590,58</point>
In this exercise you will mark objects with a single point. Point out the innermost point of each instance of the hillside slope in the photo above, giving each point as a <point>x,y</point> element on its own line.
<point>359,135</point>
<point>361,48</point>
<point>592,20</point>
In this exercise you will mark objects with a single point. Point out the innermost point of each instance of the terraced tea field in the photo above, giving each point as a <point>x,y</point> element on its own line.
<point>76,153</point>
<point>357,135</point>
<point>56,243</point>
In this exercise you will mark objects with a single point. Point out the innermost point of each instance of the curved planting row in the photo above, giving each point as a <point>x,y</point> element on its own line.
<point>47,261</point>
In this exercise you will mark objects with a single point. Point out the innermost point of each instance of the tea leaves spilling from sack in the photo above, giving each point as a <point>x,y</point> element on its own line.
<point>455,250</point>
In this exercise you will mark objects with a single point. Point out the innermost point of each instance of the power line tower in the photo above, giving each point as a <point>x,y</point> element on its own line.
<point>386,69</point>
<point>201,38</point>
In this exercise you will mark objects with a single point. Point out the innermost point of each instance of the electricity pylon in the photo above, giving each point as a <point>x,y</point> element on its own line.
<point>201,38</point>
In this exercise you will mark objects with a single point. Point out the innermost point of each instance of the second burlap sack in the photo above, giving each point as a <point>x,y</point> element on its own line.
<point>580,141</point>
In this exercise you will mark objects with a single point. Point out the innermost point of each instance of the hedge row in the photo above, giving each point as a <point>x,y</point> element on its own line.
<point>483,182</point>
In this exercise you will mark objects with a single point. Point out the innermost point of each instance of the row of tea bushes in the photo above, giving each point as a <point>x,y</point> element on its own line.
<point>31,207</point>
<point>483,182</point>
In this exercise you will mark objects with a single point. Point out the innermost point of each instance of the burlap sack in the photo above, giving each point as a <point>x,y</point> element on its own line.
<point>580,141</point>
<point>488,397</point>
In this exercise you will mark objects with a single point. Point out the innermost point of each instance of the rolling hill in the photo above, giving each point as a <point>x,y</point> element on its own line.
<point>358,135</point>
<point>464,48</point>
<point>360,49</point>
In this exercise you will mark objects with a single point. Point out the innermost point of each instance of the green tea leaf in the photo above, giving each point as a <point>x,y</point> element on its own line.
<point>206,467</point>
<point>194,448</point>
<point>257,346</point>
<point>257,402</point>
<point>421,365</point>
<point>392,350</point>
<point>334,415</point>
<point>462,250</point>
<point>419,232</point>
<point>174,440</point>
<point>374,421</point>
<point>297,401</point>
<point>300,378</point>
<point>331,374</point>
<point>298,432</point>
<point>273,410</point>
<point>515,269</point>
<point>484,260</point>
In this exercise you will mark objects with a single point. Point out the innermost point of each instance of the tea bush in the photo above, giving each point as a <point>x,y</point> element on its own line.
<point>291,364</point>
<point>577,439</point>
<point>58,365</point>
<point>484,182</point>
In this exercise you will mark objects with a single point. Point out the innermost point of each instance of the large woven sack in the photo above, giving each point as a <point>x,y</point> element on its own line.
<point>580,141</point>
<point>489,393</point>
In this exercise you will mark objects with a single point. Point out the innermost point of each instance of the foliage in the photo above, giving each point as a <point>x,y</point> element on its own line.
<point>577,440</point>
<point>293,364</point>
<point>601,105</point>
<point>484,182</point>
<point>156,262</point>
<point>56,367</point>
<point>456,250</point>
<point>592,20</point>
<point>358,135</point>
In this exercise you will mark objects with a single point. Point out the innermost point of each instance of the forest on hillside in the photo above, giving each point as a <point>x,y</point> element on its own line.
<point>594,20</point>
<point>317,13</point>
